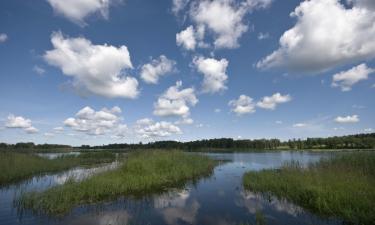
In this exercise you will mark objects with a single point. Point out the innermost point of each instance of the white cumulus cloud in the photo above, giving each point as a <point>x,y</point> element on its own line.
<point>99,69</point>
<point>175,102</point>
<point>147,128</point>
<point>346,79</point>
<point>243,105</point>
<point>77,10</point>
<point>270,102</point>
<point>214,72</point>
<point>347,119</point>
<point>92,122</point>
<point>326,34</point>
<point>226,31</point>
<point>151,72</point>
<point>20,122</point>
<point>187,38</point>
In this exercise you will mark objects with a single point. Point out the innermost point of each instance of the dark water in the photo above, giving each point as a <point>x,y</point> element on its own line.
<point>219,199</point>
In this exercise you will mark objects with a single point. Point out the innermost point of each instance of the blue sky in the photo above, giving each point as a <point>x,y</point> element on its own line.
<point>104,71</point>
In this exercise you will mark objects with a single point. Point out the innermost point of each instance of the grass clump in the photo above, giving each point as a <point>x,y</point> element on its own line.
<point>17,166</point>
<point>142,173</point>
<point>342,187</point>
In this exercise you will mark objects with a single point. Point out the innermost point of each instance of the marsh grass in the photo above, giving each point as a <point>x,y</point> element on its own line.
<point>142,173</point>
<point>17,166</point>
<point>341,187</point>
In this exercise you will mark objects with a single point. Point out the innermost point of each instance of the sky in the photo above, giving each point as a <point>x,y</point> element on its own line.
<point>114,71</point>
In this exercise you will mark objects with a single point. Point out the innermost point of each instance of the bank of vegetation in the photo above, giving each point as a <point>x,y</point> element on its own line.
<point>143,172</point>
<point>341,187</point>
<point>16,166</point>
<point>357,141</point>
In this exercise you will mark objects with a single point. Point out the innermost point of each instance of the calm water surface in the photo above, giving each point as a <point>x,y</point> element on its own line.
<point>219,199</point>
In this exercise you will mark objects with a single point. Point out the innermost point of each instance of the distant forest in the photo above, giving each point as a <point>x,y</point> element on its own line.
<point>358,141</point>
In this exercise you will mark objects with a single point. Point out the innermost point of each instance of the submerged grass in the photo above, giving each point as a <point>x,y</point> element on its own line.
<point>342,187</point>
<point>17,166</point>
<point>142,173</point>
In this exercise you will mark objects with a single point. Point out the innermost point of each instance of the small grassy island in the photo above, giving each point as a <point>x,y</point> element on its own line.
<point>17,166</point>
<point>342,187</point>
<point>142,172</point>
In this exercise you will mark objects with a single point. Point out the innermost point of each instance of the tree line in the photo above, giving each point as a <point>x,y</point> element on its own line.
<point>357,141</point>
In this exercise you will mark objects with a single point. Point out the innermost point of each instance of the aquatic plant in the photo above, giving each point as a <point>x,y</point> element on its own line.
<point>341,187</point>
<point>142,173</point>
<point>17,166</point>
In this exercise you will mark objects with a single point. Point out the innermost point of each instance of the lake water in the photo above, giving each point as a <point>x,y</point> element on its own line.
<point>217,200</point>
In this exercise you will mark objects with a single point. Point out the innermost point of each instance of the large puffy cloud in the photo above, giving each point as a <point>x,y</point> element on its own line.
<point>346,79</point>
<point>207,17</point>
<point>270,102</point>
<point>214,72</point>
<point>175,102</point>
<point>347,119</point>
<point>151,72</point>
<point>20,122</point>
<point>3,37</point>
<point>326,34</point>
<point>77,10</point>
<point>243,105</point>
<point>226,31</point>
<point>92,122</point>
<point>147,128</point>
<point>97,68</point>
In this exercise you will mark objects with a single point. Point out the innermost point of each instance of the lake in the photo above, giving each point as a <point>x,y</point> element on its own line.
<point>219,199</point>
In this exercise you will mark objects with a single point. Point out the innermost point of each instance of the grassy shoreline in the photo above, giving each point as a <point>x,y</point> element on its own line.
<point>142,173</point>
<point>15,167</point>
<point>342,187</point>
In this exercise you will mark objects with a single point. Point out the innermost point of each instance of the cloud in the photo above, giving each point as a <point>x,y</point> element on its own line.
<point>3,37</point>
<point>185,121</point>
<point>368,130</point>
<point>370,4</point>
<point>326,34</point>
<point>175,102</point>
<point>214,72</point>
<point>270,102</point>
<point>299,125</point>
<point>346,79</point>
<point>347,119</point>
<point>98,69</point>
<point>263,36</point>
<point>217,110</point>
<point>78,10</point>
<point>152,71</point>
<point>92,122</point>
<point>147,128</point>
<point>39,70</point>
<point>226,31</point>
<point>49,135</point>
<point>243,105</point>
<point>178,5</point>
<point>186,38</point>
<point>58,129</point>
<point>20,122</point>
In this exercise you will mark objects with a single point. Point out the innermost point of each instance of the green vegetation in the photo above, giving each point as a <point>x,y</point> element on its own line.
<point>142,173</point>
<point>342,187</point>
<point>31,147</point>
<point>358,141</point>
<point>18,166</point>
